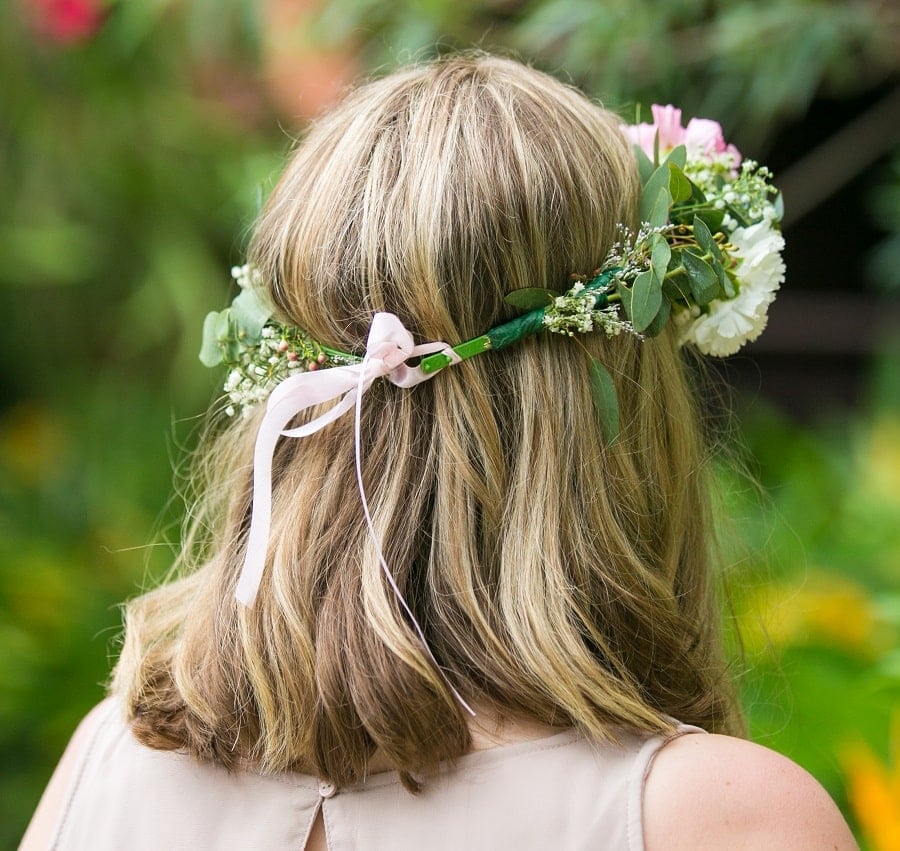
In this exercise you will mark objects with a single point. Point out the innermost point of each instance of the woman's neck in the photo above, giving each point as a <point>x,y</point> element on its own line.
<point>489,729</point>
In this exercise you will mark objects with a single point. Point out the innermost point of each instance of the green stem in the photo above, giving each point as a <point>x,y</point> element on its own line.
<point>510,332</point>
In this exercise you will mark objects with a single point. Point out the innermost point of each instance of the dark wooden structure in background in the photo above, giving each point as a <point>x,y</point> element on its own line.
<point>831,320</point>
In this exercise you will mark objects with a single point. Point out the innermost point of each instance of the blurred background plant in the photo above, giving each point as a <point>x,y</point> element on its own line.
<point>137,140</point>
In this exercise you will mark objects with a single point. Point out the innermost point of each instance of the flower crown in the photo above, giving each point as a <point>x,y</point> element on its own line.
<point>707,257</point>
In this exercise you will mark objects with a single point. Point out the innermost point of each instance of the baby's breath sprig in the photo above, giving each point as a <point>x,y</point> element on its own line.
<point>631,253</point>
<point>576,312</point>
<point>259,351</point>
<point>750,198</point>
<point>280,352</point>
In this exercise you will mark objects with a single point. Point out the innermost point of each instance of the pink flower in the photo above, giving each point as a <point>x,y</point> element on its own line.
<point>67,21</point>
<point>702,138</point>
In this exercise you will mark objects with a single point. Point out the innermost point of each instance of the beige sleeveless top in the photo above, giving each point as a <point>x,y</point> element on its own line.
<point>561,792</point>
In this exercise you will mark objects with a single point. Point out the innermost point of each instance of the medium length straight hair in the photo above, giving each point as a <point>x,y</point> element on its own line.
<point>558,578</point>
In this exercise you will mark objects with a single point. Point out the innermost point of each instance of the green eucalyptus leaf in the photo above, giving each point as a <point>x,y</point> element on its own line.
<point>680,187</point>
<point>725,280</point>
<point>531,298</point>
<point>660,254</point>
<point>645,164</point>
<point>702,277</point>
<point>659,321</point>
<point>646,297</point>
<point>606,401</point>
<point>624,294</point>
<point>659,213</point>
<point>227,331</point>
<point>250,313</point>
<point>677,157</point>
<point>657,181</point>
<point>675,282</point>
<point>232,350</point>
<point>705,239</point>
<point>225,328</point>
<point>676,287</point>
<point>698,205</point>
<point>210,348</point>
<point>698,196</point>
<point>711,217</point>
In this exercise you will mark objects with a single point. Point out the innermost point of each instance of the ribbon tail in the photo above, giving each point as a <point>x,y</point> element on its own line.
<point>334,412</point>
<point>261,516</point>
<point>289,399</point>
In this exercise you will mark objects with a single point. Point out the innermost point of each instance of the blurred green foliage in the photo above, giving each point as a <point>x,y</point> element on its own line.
<point>817,591</point>
<point>749,63</point>
<point>126,180</point>
<point>135,144</point>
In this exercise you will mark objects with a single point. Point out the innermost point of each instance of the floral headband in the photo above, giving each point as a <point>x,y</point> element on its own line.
<point>707,257</point>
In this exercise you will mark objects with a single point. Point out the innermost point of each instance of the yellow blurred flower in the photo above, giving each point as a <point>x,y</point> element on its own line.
<point>820,608</point>
<point>873,790</point>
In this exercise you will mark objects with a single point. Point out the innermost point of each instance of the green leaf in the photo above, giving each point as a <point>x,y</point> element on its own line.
<point>659,321</point>
<point>705,238</point>
<point>676,288</point>
<point>725,280</point>
<point>677,157</point>
<point>680,188</point>
<point>224,326</point>
<point>646,297</point>
<point>210,348</point>
<point>624,294</point>
<point>660,253</point>
<point>250,313</point>
<point>531,298</point>
<point>231,349</point>
<point>606,401</point>
<point>711,217</point>
<point>658,180</point>
<point>702,277</point>
<point>698,196</point>
<point>659,214</point>
<point>645,164</point>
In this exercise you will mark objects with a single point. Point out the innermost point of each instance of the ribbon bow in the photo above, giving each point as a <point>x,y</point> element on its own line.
<point>388,347</point>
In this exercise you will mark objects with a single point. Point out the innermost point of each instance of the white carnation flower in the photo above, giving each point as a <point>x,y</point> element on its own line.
<point>729,323</point>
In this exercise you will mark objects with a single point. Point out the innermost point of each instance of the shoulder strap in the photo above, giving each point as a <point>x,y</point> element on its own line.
<point>640,770</point>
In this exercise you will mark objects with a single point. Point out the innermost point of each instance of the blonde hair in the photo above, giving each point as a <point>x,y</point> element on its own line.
<point>557,577</point>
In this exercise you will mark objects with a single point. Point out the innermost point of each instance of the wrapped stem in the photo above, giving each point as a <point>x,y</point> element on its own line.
<point>512,331</point>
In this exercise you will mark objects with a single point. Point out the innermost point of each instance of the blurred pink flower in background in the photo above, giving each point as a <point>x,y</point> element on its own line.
<point>303,77</point>
<point>66,21</point>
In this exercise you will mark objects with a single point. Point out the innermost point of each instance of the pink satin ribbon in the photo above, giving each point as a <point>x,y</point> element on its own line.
<point>388,347</point>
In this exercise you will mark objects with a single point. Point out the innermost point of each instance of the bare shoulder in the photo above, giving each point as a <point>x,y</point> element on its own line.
<point>713,792</point>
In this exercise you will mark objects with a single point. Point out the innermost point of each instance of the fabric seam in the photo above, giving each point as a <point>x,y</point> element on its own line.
<point>634,802</point>
<point>79,775</point>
